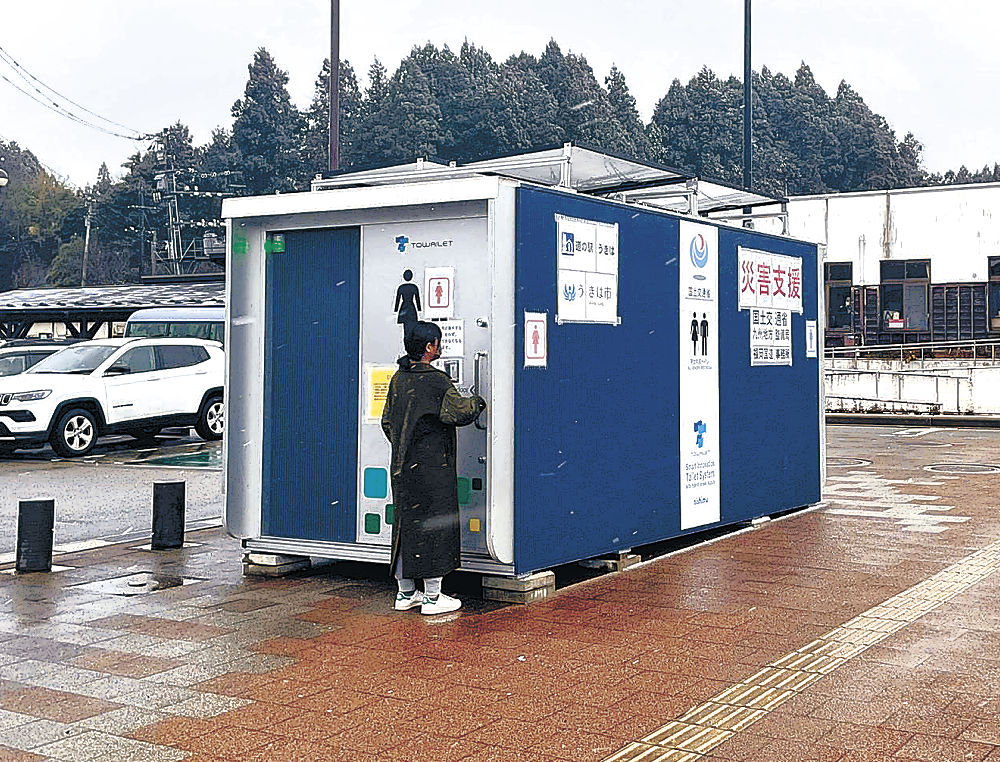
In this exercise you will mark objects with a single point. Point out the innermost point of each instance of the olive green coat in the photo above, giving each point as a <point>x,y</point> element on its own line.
<point>422,411</point>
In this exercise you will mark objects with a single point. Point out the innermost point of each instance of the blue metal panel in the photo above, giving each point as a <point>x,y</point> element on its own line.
<point>311,386</point>
<point>595,438</point>
<point>595,442</point>
<point>769,416</point>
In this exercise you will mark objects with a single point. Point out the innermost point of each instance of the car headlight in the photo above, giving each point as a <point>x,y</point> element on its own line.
<point>31,396</point>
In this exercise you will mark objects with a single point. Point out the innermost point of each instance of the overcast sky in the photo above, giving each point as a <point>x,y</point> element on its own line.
<point>929,67</point>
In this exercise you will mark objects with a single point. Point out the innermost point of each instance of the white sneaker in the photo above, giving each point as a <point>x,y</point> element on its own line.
<point>440,605</point>
<point>405,602</point>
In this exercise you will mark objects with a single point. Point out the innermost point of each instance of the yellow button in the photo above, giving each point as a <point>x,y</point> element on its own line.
<point>474,525</point>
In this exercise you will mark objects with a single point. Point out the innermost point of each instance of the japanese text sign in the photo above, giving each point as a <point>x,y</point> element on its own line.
<point>770,337</point>
<point>587,263</point>
<point>770,280</point>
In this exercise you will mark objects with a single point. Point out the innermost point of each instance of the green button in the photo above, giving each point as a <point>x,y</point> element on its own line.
<point>373,523</point>
<point>390,514</point>
<point>464,490</point>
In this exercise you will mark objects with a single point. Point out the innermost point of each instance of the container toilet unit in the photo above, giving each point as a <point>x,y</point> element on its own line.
<point>648,373</point>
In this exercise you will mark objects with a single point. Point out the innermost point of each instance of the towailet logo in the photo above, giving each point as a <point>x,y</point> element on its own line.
<point>403,243</point>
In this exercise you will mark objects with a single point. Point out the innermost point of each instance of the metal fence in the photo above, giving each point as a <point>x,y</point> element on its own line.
<point>974,350</point>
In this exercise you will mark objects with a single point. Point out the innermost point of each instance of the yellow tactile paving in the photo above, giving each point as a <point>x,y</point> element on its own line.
<point>723,716</point>
<point>709,724</point>
<point>640,752</point>
<point>688,737</point>
<point>784,679</point>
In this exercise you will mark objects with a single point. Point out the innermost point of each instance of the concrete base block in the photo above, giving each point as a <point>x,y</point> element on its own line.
<point>523,589</point>
<point>273,564</point>
<point>615,562</point>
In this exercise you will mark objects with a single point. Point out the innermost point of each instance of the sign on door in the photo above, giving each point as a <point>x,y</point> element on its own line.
<point>439,292</point>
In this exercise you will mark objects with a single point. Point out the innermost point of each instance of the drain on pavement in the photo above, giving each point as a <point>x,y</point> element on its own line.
<point>847,462</point>
<point>963,468</point>
<point>137,584</point>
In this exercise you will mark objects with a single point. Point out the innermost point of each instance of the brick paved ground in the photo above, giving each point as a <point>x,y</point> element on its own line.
<point>317,667</point>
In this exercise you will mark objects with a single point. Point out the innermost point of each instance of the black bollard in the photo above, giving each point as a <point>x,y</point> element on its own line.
<point>35,521</point>
<point>168,515</point>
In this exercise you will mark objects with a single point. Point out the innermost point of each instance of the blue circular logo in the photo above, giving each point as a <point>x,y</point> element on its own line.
<point>699,251</point>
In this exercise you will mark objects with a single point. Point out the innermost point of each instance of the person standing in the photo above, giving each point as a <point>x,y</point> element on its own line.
<point>422,411</point>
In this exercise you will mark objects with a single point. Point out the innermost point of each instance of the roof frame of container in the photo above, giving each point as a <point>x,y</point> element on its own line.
<point>581,169</point>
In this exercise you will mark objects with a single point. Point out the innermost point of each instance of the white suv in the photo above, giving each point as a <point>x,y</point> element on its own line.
<point>114,386</point>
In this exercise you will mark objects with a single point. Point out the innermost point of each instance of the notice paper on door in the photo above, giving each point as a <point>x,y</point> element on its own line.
<point>452,337</point>
<point>377,378</point>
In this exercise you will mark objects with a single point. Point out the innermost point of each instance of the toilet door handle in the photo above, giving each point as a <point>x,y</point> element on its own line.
<point>476,383</point>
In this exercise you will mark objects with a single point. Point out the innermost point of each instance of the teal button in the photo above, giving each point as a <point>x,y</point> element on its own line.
<point>373,523</point>
<point>376,483</point>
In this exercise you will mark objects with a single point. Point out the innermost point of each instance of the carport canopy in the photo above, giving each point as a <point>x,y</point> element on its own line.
<point>85,310</point>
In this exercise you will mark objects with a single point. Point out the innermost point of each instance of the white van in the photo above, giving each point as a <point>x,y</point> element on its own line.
<point>178,323</point>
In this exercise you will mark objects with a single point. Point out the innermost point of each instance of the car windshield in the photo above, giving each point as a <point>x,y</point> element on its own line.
<point>75,359</point>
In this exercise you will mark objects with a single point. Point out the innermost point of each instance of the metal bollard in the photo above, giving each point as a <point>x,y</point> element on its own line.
<point>168,515</point>
<point>35,522</point>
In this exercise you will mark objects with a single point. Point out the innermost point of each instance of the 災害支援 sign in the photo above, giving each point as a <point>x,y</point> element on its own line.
<point>770,291</point>
<point>587,262</point>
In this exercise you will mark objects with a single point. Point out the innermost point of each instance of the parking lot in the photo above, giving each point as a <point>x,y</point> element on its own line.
<point>107,496</point>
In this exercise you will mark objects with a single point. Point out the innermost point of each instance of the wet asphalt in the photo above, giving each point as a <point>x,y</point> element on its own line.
<point>108,494</point>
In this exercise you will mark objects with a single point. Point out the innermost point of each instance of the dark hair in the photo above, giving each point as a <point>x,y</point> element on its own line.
<point>418,336</point>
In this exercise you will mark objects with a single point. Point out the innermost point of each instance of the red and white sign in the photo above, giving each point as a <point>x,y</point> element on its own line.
<point>439,292</point>
<point>770,280</point>
<point>536,350</point>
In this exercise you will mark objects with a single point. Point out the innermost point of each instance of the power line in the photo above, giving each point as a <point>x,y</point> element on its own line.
<point>56,108</point>
<point>11,61</point>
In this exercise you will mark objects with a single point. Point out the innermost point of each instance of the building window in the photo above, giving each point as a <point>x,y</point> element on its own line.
<point>994,294</point>
<point>904,294</point>
<point>839,278</point>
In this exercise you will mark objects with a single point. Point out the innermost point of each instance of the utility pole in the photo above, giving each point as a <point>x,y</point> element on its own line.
<point>335,85</point>
<point>747,104</point>
<point>141,208</point>
<point>86,242</point>
<point>747,112</point>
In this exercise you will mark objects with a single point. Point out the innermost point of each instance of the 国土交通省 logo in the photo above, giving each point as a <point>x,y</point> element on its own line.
<point>699,251</point>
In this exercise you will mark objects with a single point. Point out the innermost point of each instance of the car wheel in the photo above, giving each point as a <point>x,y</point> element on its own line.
<point>211,419</point>
<point>75,434</point>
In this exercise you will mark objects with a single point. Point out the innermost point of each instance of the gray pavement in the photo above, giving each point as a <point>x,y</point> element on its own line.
<point>107,496</point>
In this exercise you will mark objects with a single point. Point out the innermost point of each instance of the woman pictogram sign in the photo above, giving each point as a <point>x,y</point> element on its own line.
<point>407,302</point>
